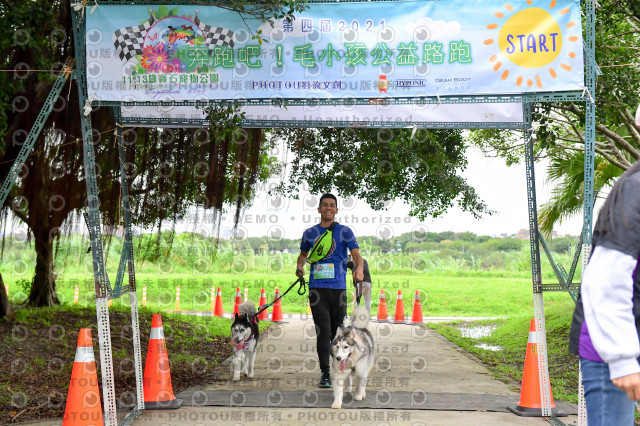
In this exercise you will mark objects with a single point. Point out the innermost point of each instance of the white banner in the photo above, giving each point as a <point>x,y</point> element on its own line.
<point>359,115</point>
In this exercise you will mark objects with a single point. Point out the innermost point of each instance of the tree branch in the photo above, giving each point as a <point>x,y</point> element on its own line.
<point>18,213</point>
<point>632,64</point>
<point>633,131</point>
<point>574,128</point>
<point>606,132</point>
<point>619,140</point>
<point>616,152</point>
<point>599,151</point>
<point>571,140</point>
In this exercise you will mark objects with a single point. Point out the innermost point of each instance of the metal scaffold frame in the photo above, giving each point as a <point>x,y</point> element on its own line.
<point>104,291</point>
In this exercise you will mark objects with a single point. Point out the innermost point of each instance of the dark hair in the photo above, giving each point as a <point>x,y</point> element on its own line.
<point>608,211</point>
<point>333,197</point>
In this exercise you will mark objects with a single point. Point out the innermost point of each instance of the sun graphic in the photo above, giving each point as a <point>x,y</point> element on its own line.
<point>530,40</point>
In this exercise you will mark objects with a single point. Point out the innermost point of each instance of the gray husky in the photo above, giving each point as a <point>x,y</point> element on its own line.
<point>245,336</point>
<point>353,352</point>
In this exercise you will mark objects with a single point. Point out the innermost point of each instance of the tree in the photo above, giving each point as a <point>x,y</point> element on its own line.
<point>51,186</point>
<point>5,305</point>
<point>379,165</point>
<point>559,133</point>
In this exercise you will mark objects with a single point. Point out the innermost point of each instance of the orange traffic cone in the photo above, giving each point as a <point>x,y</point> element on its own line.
<point>398,318</point>
<point>236,306</point>
<point>383,315</point>
<point>157,388</point>
<point>263,301</point>
<point>530,404</point>
<point>219,312</point>
<point>83,400</point>
<point>416,315</point>
<point>276,314</point>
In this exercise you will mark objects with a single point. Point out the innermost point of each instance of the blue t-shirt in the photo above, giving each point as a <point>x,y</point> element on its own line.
<point>331,271</point>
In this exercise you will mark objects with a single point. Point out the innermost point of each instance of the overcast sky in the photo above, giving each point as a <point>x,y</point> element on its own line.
<point>502,188</point>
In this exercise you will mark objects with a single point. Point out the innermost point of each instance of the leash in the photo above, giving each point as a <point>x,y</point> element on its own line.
<point>301,291</point>
<point>358,293</point>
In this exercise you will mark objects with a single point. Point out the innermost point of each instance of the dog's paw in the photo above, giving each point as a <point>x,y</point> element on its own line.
<point>337,404</point>
<point>360,397</point>
<point>236,377</point>
<point>250,376</point>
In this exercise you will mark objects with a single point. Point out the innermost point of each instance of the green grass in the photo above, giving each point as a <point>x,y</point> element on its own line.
<point>511,334</point>
<point>441,295</point>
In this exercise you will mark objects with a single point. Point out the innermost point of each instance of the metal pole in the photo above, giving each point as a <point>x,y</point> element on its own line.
<point>128,246</point>
<point>589,161</point>
<point>93,205</point>
<point>538,302</point>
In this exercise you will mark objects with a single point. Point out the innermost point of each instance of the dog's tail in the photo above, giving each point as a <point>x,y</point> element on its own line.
<point>360,317</point>
<point>247,308</point>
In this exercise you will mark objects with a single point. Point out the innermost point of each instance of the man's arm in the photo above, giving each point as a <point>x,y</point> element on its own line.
<point>302,260</point>
<point>358,275</point>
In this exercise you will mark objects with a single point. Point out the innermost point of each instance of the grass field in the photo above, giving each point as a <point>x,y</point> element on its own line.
<point>448,285</point>
<point>441,295</point>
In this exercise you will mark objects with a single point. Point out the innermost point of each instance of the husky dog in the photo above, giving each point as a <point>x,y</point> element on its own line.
<point>245,336</point>
<point>352,350</point>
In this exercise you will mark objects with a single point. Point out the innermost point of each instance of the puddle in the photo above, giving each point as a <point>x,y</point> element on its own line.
<point>477,332</point>
<point>488,347</point>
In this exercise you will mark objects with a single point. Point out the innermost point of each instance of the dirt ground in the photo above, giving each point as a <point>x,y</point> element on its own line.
<point>36,358</point>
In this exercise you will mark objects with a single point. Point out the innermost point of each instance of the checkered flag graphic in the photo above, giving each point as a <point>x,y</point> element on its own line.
<point>214,36</point>
<point>128,41</point>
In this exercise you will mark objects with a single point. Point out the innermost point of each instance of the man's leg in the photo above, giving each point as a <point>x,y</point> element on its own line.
<point>338,309</point>
<point>606,404</point>
<point>320,309</point>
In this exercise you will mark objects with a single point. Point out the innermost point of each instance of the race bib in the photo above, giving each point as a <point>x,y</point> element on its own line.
<point>324,271</point>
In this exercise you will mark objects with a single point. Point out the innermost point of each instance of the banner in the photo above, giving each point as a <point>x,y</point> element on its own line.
<point>333,50</point>
<point>402,115</point>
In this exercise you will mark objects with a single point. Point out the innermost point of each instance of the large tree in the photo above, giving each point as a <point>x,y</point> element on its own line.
<point>379,165</point>
<point>52,186</point>
<point>559,131</point>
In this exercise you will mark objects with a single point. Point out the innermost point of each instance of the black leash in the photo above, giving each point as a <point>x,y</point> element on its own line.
<point>358,294</point>
<point>301,291</point>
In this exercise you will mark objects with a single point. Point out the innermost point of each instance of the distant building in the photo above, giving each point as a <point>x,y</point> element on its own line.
<point>523,234</point>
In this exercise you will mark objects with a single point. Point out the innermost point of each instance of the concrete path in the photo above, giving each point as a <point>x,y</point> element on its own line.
<point>408,359</point>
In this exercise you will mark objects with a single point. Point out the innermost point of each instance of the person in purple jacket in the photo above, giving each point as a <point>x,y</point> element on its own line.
<point>606,320</point>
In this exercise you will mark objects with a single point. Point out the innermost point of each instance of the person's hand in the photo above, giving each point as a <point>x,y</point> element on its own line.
<point>630,384</point>
<point>299,273</point>
<point>358,276</point>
